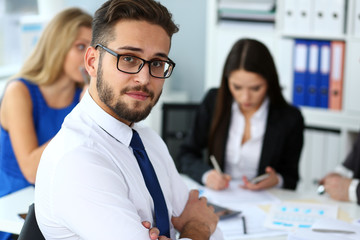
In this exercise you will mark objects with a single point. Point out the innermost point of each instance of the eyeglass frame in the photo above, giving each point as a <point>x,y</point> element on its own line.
<point>169,61</point>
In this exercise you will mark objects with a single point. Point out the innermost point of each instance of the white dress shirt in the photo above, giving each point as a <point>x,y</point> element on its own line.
<point>243,159</point>
<point>89,185</point>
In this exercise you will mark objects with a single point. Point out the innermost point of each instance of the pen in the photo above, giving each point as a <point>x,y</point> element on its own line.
<point>244,224</point>
<point>215,164</point>
<point>259,178</point>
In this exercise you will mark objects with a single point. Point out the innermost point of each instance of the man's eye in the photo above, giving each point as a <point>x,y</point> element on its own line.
<point>128,58</point>
<point>157,64</point>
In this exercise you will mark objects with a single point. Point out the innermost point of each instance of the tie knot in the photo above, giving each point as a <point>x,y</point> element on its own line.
<point>136,142</point>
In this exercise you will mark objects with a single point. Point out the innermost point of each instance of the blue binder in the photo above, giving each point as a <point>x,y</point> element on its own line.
<point>301,53</point>
<point>313,81</point>
<point>324,73</point>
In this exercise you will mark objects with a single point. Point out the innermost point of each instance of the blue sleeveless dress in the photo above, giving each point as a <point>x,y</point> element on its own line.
<point>47,123</point>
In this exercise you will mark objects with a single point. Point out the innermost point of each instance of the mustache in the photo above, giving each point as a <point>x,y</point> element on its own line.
<point>138,88</point>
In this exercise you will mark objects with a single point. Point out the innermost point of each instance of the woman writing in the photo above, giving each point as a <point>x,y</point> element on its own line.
<point>246,125</point>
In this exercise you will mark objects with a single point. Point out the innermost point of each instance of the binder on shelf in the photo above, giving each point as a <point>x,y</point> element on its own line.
<point>321,17</point>
<point>289,19</point>
<point>303,19</point>
<point>313,86</point>
<point>356,20</point>
<point>336,10</point>
<point>300,71</point>
<point>324,73</point>
<point>329,17</point>
<point>336,74</point>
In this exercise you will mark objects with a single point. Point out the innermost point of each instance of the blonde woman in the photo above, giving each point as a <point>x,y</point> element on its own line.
<point>39,97</point>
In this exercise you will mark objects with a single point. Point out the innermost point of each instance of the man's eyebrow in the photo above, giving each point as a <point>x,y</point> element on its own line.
<point>135,49</point>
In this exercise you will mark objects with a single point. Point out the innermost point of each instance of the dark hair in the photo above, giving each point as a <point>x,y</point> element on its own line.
<point>249,55</point>
<point>114,10</point>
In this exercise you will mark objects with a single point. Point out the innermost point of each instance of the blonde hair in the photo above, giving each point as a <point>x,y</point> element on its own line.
<point>46,63</point>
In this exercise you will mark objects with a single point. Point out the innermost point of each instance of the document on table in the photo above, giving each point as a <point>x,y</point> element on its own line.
<point>246,201</point>
<point>235,195</point>
<point>293,215</point>
<point>327,229</point>
<point>232,228</point>
<point>308,234</point>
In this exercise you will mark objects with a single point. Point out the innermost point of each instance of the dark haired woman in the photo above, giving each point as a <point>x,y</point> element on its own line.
<point>246,125</point>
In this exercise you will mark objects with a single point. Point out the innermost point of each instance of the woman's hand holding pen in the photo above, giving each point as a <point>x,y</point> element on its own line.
<point>270,181</point>
<point>217,181</point>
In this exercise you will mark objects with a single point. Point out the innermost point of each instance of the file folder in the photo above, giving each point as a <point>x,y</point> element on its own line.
<point>321,17</point>
<point>300,71</point>
<point>304,16</point>
<point>336,74</point>
<point>329,17</point>
<point>356,19</point>
<point>289,16</point>
<point>313,86</point>
<point>324,74</point>
<point>336,10</point>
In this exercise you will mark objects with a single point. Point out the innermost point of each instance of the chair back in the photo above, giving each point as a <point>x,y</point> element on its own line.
<point>30,230</point>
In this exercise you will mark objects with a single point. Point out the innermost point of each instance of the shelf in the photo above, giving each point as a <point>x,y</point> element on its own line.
<point>313,36</point>
<point>326,118</point>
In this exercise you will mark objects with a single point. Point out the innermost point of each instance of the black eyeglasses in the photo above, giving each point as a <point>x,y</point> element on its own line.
<point>132,64</point>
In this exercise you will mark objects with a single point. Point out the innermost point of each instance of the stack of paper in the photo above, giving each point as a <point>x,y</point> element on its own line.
<point>327,229</point>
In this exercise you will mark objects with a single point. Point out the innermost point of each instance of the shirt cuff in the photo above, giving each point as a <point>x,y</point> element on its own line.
<point>204,177</point>
<point>352,190</point>
<point>281,181</point>
<point>343,171</point>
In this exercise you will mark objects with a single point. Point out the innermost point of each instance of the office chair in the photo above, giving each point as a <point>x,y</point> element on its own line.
<point>30,230</point>
<point>177,120</point>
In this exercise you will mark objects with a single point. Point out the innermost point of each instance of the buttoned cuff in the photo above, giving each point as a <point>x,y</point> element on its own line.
<point>352,190</point>
<point>281,181</point>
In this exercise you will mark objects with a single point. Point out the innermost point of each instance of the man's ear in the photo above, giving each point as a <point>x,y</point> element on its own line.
<point>91,59</point>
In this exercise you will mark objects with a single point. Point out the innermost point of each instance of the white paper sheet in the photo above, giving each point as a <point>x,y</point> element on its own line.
<point>292,215</point>
<point>234,195</point>
<point>233,228</point>
<point>334,225</point>
<point>308,234</point>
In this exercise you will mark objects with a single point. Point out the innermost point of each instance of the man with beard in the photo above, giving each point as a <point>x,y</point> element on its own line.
<point>91,182</point>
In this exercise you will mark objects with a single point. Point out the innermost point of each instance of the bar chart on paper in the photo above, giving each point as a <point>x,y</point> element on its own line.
<point>291,215</point>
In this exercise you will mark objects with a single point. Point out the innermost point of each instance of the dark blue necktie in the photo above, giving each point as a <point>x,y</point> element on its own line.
<point>152,184</point>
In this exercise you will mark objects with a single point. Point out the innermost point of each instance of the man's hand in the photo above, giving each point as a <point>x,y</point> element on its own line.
<point>198,220</point>
<point>337,186</point>
<point>154,232</point>
<point>269,182</point>
<point>217,181</point>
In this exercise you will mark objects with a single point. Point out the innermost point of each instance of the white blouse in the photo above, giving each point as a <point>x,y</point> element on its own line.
<point>243,159</point>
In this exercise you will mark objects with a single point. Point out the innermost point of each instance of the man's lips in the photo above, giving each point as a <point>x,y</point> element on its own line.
<point>138,95</point>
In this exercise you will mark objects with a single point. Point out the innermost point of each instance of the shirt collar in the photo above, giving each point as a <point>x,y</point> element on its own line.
<point>115,128</point>
<point>261,113</point>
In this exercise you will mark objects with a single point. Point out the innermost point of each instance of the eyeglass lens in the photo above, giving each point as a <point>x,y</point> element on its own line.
<point>132,64</point>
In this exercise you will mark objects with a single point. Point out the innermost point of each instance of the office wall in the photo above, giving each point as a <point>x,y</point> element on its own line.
<point>188,47</point>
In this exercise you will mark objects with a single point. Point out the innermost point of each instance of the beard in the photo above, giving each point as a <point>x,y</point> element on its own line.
<point>121,108</point>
